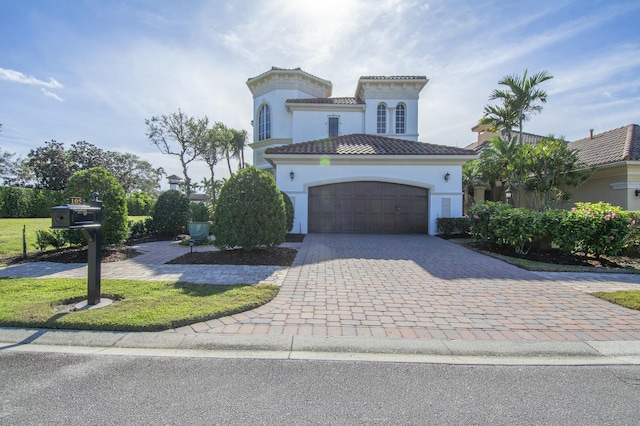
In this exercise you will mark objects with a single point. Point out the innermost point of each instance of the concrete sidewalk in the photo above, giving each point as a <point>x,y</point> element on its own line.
<point>404,295</point>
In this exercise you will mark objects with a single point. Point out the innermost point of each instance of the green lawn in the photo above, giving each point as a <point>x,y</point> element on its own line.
<point>11,234</point>
<point>627,298</point>
<point>138,305</point>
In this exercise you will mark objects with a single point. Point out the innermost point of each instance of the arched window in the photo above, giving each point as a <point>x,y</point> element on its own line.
<point>400,118</point>
<point>264,123</point>
<point>382,118</point>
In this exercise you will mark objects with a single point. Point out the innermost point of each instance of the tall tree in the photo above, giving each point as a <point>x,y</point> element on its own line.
<point>496,162</point>
<point>85,155</point>
<point>180,135</point>
<point>239,143</point>
<point>520,99</point>
<point>50,165</point>
<point>134,173</point>
<point>522,96</point>
<point>211,150</point>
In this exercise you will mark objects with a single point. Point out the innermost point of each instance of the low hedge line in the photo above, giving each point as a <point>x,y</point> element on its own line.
<point>593,228</point>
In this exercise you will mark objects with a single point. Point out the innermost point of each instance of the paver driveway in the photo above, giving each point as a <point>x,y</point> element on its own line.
<point>415,286</point>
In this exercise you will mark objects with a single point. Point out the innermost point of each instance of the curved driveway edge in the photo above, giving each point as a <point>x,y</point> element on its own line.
<point>415,286</point>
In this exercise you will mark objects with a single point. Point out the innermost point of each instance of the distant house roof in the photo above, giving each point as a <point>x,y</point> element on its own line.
<point>363,144</point>
<point>174,177</point>
<point>199,197</point>
<point>621,144</point>
<point>526,138</point>
<point>331,101</point>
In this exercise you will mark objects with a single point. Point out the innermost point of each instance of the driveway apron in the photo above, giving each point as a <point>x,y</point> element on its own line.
<point>416,286</point>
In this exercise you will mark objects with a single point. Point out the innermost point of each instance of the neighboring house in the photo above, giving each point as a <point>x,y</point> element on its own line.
<point>615,155</point>
<point>174,183</point>
<point>353,164</point>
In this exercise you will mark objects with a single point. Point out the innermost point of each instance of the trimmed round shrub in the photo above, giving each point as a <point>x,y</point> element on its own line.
<point>170,215</point>
<point>115,220</point>
<point>288,208</point>
<point>250,212</point>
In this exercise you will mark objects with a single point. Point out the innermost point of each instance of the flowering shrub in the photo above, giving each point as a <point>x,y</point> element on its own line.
<point>480,218</point>
<point>595,228</point>
<point>632,239</point>
<point>452,225</point>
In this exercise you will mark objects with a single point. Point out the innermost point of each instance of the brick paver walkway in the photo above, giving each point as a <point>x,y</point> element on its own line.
<point>423,287</point>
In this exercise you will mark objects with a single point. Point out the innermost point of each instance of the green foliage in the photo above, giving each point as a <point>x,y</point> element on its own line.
<point>288,206</point>
<point>139,204</point>
<point>199,212</point>
<point>250,212</point>
<point>170,214</point>
<point>452,225</point>
<point>595,228</point>
<point>45,238</point>
<point>115,219</point>
<point>592,228</point>
<point>28,202</point>
<point>632,239</point>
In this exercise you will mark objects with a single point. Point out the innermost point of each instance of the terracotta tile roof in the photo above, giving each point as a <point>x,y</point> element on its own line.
<point>526,137</point>
<point>332,101</point>
<point>362,144</point>
<point>615,145</point>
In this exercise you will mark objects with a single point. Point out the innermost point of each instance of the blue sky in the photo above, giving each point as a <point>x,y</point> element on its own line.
<point>94,70</point>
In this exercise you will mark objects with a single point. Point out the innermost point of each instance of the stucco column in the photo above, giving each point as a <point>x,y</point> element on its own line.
<point>392,119</point>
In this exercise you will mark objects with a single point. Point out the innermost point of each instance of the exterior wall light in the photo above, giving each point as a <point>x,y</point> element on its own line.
<point>637,192</point>
<point>292,175</point>
<point>447,176</point>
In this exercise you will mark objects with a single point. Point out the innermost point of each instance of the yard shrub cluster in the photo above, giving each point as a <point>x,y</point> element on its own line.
<point>170,215</point>
<point>449,226</point>
<point>28,202</point>
<point>250,212</point>
<point>590,228</point>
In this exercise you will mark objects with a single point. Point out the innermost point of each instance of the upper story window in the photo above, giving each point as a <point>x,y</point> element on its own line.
<point>264,122</point>
<point>382,118</point>
<point>334,126</point>
<point>400,118</point>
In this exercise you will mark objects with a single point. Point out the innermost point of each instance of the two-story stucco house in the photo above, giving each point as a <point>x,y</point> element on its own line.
<point>353,164</point>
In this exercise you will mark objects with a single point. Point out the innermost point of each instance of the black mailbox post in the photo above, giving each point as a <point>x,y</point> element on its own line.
<point>88,219</point>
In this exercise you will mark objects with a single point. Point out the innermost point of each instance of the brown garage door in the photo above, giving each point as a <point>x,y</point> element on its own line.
<point>368,207</point>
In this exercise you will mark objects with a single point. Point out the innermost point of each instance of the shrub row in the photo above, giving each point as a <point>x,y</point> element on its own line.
<point>28,202</point>
<point>593,228</point>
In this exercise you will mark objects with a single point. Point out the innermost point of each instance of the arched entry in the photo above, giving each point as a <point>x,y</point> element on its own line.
<point>368,207</point>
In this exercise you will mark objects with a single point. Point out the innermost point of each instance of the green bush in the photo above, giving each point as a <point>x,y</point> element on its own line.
<point>28,202</point>
<point>45,238</point>
<point>138,228</point>
<point>594,228</point>
<point>288,206</point>
<point>249,212</point>
<point>115,220</point>
<point>139,204</point>
<point>170,215</point>
<point>452,226</point>
<point>632,239</point>
<point>199,212</point>
<point>480,220</point>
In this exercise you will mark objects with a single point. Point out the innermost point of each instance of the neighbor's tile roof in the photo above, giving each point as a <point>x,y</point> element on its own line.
<point>615,145</point>
<point>332,101</point>
<point>526,137</point>
<point>362,144</point>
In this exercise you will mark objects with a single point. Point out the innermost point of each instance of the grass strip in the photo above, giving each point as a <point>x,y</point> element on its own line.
<point>627,298</point>
<point>138,305</point>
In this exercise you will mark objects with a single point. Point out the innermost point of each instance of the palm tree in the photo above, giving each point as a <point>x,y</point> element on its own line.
<point>499,117</point>
<point>496,162</point>
<point>522,95</point>
<point>238,145</point>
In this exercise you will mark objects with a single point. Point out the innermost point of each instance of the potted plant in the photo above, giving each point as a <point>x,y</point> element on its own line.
<point>199,224</point>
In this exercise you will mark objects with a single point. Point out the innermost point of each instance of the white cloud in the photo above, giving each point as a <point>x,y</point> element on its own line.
<point>51,95</point>
<point>18,77</point>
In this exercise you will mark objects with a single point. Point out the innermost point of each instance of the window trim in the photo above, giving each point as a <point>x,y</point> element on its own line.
<point>336,119</point>
<point>264,122</point>
<point>401,121</point>
<point>381,118</point>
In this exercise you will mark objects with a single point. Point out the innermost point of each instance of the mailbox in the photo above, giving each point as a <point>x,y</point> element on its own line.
<point>76,215</point>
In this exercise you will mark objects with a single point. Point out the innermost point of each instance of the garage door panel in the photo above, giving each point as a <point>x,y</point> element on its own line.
<point>368,207</point>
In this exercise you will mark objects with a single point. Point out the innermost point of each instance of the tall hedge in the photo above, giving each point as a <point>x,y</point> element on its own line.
<point>250,212</point>
<point>288,208</point>
<point>115,220</point>
<point>28,202</point>
<point>170,215</point>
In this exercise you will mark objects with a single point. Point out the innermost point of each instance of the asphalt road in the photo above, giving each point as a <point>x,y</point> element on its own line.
<point>49,388</point>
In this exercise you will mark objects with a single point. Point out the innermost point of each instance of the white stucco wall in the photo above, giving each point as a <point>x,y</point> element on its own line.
<point>430,176</point>
<point>311,125</point>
